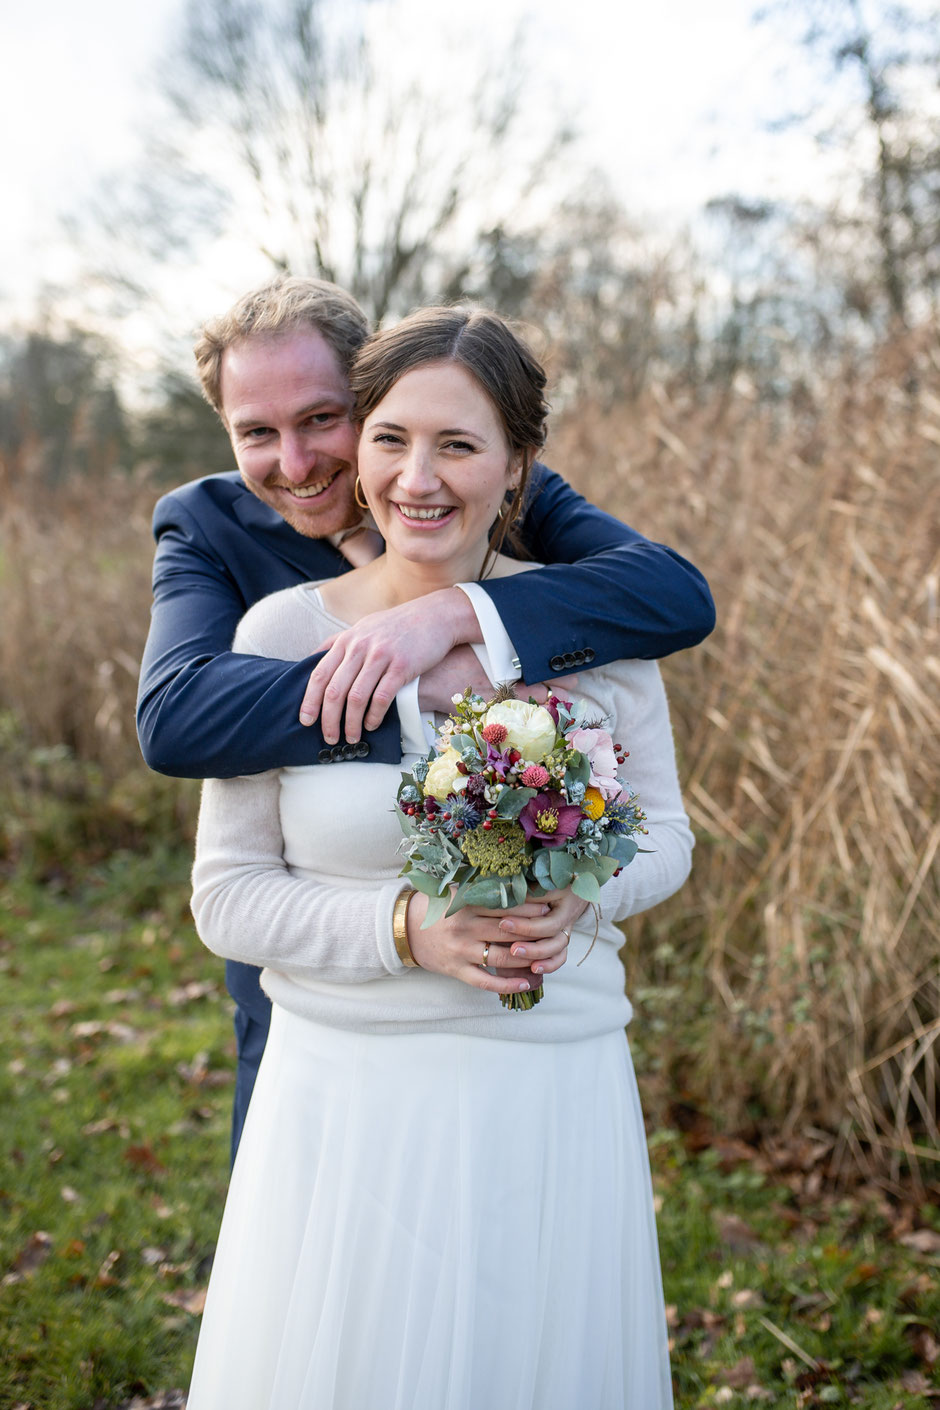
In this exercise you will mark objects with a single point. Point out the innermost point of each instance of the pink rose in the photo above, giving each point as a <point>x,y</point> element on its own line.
<point>598,747</point>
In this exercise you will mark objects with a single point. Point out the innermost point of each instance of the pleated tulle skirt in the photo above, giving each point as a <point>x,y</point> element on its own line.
<point>437,1222</point>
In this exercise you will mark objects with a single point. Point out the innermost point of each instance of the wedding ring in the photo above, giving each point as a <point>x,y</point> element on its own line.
<point>486,955</point>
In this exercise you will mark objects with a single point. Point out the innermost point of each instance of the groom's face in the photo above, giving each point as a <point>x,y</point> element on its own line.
<point>286,404</point>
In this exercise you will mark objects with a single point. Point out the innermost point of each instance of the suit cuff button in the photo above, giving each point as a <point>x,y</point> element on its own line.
<point>588,656</point>
<point>363,749</point>
<point>325,756</point>
<point>557,663</point>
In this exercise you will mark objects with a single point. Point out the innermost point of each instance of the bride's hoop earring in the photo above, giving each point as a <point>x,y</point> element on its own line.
<point>357,489</point>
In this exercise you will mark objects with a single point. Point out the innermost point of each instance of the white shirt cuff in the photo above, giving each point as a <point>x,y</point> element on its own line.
<point>417,734</point>
<point>497,655</point>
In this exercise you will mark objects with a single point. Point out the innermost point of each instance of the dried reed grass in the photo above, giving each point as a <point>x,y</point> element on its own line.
<point>75,580</point>
<point>801,964</point>
<point>795,982</point>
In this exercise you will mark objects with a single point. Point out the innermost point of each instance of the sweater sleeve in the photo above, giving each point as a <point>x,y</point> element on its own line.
<point>249,906</point>
<point>639,719</point>
<point>247,903</point>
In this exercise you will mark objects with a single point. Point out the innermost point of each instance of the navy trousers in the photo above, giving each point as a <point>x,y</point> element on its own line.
<point>252,1021</point>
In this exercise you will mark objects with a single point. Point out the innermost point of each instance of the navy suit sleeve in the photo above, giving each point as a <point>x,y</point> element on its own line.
<point>202,710</point>
<point>606,593</point>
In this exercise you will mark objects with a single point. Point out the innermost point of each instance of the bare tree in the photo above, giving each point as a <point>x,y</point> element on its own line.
<point>294,129</point>
<point>885,62</point>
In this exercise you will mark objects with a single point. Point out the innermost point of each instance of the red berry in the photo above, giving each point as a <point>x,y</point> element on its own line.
<point>446,817</point>
<point>493,813</point>
<point>487,824</point>
<point>462,768</point>
<point>514,756</point>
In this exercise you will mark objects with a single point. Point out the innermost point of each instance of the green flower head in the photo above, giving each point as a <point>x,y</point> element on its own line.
<point>497,851</point>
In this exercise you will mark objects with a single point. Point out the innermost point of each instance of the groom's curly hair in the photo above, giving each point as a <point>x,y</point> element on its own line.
<point>282,305</point>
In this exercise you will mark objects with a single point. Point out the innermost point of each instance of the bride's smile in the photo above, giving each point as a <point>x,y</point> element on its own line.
<point>435,466</point>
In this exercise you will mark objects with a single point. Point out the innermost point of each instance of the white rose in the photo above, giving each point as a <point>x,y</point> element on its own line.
<point>443,776</point>
<point>529,728</point>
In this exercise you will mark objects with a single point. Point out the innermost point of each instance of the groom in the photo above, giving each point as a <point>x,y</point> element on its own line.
<point>275,367</point>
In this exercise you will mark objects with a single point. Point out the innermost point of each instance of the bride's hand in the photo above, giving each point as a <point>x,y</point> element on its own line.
<point>457,944</point>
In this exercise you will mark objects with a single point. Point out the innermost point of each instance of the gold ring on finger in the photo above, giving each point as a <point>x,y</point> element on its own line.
<point>486,955</point>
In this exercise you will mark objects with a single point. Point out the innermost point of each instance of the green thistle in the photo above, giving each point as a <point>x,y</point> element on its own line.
<point>499,851</point>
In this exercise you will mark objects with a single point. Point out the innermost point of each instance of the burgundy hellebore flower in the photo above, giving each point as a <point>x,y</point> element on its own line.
<point>549,819</point>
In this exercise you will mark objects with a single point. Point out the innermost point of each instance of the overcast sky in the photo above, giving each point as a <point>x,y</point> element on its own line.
<point>673,100</point>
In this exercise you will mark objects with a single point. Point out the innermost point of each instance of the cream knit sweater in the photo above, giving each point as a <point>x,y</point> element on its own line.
<point>297,870</point>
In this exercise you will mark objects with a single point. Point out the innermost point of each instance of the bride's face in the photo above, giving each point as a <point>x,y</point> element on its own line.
<point>435,466</point>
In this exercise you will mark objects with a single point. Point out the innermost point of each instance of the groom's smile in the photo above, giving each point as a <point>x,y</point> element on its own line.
<point>286,402</point>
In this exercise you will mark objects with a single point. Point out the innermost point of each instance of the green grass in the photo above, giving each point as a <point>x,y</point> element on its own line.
<point>115,1083</point>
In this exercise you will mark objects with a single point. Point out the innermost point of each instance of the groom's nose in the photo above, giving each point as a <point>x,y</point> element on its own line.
<point>297,459</point>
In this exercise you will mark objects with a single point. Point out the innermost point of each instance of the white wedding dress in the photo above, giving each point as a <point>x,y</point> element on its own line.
<point>422,1219</point>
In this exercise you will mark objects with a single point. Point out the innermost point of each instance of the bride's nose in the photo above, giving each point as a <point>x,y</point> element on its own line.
<point>417,474</point>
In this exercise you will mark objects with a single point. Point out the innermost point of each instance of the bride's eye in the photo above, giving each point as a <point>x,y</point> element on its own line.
<point>462,446</point>
<point>386,438</point>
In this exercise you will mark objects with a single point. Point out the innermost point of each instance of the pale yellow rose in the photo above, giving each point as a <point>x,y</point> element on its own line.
<point>443,776</point>
<point>529,728</point>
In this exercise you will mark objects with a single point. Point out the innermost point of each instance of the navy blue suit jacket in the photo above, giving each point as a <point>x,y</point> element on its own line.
<point>607,594</point>
<point>203,712</point>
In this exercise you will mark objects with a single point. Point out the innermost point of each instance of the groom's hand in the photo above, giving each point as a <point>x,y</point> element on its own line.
<point>368,663</point>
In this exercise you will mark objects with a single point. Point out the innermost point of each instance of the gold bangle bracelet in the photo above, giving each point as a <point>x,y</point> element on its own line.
<point>400,929</point>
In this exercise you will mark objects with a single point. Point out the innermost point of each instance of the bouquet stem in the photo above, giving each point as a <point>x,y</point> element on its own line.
<point>525,1000</point>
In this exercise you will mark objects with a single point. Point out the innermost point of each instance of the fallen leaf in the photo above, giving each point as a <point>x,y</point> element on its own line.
<point>163,1400</point>
<point>741,1374</point>
<point>62,1008</point>
<point>925,1344</point>
<point>189,993</point>
<point>105,1123</point>
<point>922,1241</point>
<point>104,1278</point>
<point>144,1158</point>
<point>738,1236</point>
<point>34,1252</point>
<point>93,1028</point>
<point>191,1300</point>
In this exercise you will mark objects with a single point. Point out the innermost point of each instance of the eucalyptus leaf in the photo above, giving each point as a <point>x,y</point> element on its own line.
<point>520,890</point>
<point>578,771</point>
<point>422,881</point>
<point>585,885</point>
<point>561,868</point>
<point>484,891</point>
<point>511,801</point>
<point>437,909</point>
<point>624,849</point>
<point>541,868</point>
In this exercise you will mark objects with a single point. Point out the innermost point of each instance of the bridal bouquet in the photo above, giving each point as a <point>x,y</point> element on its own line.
<point>514,800</point>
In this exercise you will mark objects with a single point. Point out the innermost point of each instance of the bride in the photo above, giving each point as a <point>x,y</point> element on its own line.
<point>437,1204</point>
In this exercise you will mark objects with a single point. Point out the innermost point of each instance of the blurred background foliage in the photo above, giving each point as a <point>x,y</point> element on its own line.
<point>761,391</point>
